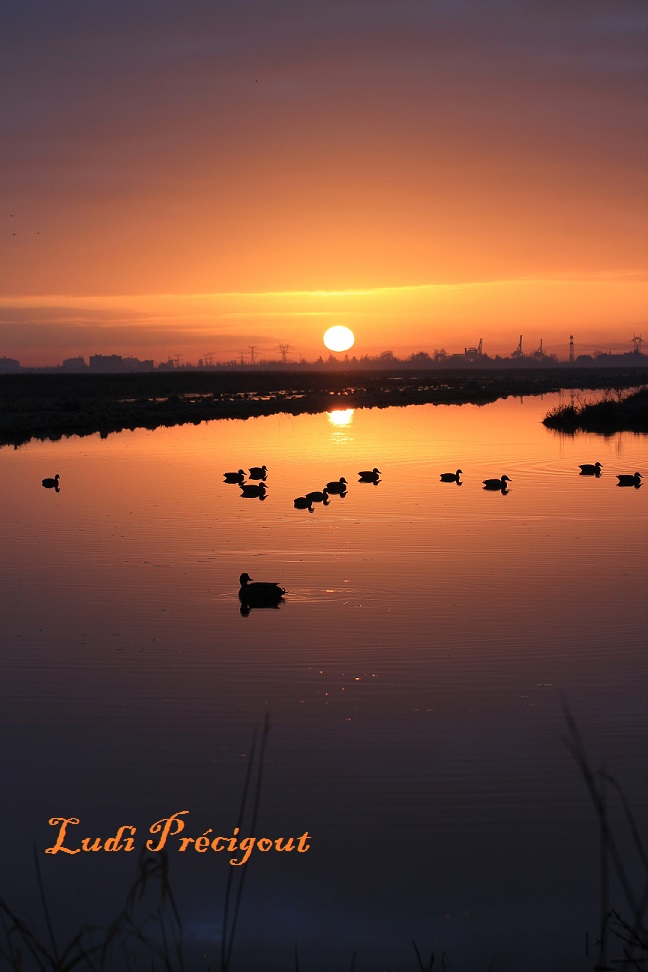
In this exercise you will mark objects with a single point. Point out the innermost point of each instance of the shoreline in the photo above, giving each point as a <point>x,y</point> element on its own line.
<point>50,407</point>
<point>623,414</point>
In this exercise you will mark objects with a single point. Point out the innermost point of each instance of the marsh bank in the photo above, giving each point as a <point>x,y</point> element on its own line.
<point>50,406</point>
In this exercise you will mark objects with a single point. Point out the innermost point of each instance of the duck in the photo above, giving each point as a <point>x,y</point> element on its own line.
<point>590,469</point>
<point>303,503</point>
<point>258,472</point>
<point>319,497</point>
<point>234,477</point>
<point>496,483</point>
<point>52,483</point>
<point>451,477</point>
<point>629,480</point>
<point>259,593</point>
<point>254,490</point>
<point>369,475</point>
<point>337,485</point>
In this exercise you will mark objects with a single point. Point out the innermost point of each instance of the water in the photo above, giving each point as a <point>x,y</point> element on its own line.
<point>414,679</point>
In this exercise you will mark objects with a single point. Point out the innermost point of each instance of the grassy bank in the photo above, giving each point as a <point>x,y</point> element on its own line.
<point>614,414</point>
<point>55,405</point>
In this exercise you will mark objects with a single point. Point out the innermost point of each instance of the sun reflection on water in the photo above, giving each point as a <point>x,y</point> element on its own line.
<point>340,420</point>
<point>340,416</point>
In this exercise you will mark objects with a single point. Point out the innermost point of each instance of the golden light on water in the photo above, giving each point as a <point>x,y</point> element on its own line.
<point>339,338</point>
<point>340,416</point>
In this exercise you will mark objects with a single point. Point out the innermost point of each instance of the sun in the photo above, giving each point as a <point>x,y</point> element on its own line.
<point>339,338</point>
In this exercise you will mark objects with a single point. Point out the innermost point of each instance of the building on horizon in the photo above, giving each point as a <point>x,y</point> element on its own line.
<point>8,365</point>
<point>73,365</point>
<point>115,363</point>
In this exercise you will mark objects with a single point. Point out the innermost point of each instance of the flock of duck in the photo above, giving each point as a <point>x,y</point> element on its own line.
<point>625,479</point>
<point>265,594</point>
<point>339,486</point>
<point>336,487</point>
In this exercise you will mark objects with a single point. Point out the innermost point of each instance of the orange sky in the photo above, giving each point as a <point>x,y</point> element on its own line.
<point>200,179</point>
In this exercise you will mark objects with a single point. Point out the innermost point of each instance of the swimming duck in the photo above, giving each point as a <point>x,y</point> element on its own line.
<point>369,475</point>
<point>52,483</point>
<point>258,472</point>
<point>303,503</point>
<point>496,483</point>
<point>234,477</point>
<point>627,480</point>
<point>337,485</point>
<point>248,490</point>
<point>451,477</point>
<point>259,593</point>
<point>319,497</point>
<point>590,469</point>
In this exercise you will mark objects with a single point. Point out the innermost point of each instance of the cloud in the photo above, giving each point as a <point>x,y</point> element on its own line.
<point>276,143</point>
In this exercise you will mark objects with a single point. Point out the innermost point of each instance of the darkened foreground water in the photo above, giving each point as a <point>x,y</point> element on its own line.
<point>413,678</point>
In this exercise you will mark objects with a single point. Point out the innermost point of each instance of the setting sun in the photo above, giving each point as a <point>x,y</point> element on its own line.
<point>339,338</point>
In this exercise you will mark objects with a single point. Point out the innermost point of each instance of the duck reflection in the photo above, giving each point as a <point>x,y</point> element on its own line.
<point>630,480</point>
<point>369,476</point>
<point>497,484</point>
<point>258,594</point>
<point>52,483</point>
<point>337,486</point>
<point>452,477</point>
<point>234,477</point>
<point>249,491</point>
<point>319,496</point>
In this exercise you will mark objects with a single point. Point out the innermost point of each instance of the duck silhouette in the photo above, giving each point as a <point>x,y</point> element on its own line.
<point>369,475</point>
<point>319,496</point>
<point>258,472</point>
<point>337,486</point>
<point>259,594</point>
<point>250,491</point>
<point>451,477</point>
<point>52,483</point>
<point>303,503</point>
<point>496,483</point>
<point>234,477</point>
<point>590,469</point>
<point>629,480</point>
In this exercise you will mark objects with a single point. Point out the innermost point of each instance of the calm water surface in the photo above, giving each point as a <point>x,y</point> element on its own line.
<point>413,678</point>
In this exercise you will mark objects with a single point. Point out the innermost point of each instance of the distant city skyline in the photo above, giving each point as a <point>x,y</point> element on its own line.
<point>253,356</point>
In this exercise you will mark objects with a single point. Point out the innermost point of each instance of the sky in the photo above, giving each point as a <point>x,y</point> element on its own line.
<point>192,178</point>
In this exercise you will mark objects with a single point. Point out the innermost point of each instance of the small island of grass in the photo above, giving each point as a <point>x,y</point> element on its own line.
<point>621,414</point>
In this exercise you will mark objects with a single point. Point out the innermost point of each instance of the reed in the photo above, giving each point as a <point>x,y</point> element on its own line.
<point>124,943</point>
<point>627,930</point>
<point>614,413</point>
<point>151,938</point>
